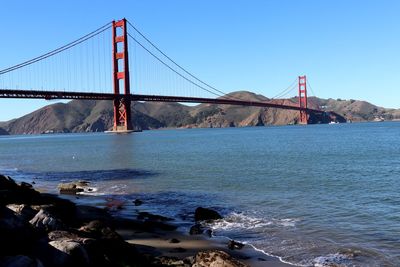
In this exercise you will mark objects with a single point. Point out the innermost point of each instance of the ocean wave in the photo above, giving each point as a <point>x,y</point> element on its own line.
<point>244,221</point>
<point>91,191</point>
<point>337,259</point>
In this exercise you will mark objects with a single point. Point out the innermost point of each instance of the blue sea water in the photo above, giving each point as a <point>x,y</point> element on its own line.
<point>313,195</point>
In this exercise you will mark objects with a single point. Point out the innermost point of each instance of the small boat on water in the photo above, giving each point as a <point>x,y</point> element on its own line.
<point>333,122</point>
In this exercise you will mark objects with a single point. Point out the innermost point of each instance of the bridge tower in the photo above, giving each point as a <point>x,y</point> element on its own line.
<point>122,102</point>
<point>303,119</point>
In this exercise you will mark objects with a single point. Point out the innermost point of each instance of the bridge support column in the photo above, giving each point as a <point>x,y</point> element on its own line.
<point>303,118</point>
<point>122,102</point>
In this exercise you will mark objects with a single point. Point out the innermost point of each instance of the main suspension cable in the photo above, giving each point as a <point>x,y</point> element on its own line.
<point>172,69</point>
<point>58,50</point>
<point>286,91</point>
<point>179,66</point>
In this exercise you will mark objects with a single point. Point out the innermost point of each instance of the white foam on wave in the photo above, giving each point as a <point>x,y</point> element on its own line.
<point>8,169</point>
<point>91,191</point>
<point>243,221</point>
<point>281,259</point>
<point>271,255</point>
<point>101,190</point>
<point>240,221</point>
<point>337,259</point>
<point>289,222</point>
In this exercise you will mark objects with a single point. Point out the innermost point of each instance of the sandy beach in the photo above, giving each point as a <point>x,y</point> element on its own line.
<point>158,243</point>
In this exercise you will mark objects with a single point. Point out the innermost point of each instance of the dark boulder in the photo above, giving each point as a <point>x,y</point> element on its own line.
<point>196,229</point>
<point>174,240</point>
<point>137,202</point>
<point>7,183</point>
<point>232,244</point>
<point>85,214</point>
<point>16,235</point>
<point>61,253</point>
<point>26,185</point>
<point>19,261</point>
<point>152,217</point>
<point>12,193</point>
<point>204,214</point>
<point>62,209</point>
<point>99,230</point>
<point>24,211</point>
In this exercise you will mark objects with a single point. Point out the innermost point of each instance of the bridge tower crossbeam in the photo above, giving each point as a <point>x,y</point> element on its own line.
<point>122,102</point>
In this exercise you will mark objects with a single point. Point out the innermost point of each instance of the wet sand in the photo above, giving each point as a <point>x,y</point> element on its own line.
<point>158,244</point>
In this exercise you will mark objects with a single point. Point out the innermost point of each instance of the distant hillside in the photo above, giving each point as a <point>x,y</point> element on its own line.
<point>357,111</point>
<point>97,116</point>
<point>3,132</point>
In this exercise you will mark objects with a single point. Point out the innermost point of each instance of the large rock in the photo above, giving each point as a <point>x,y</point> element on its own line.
<point>216,258</point>
<point>43,220</point>
<point>72,188</point>
<point>204,214</point>
<point>232,244</point>
<point>12,193</point>
<point>19,261</point>
<point>99,230</point>
<point>16,235</point>
<point>60,235</point>
<point>85,214</point>
<point>152,221</point>
<point>7,183</point>
<point>72,253</point>
<point>196,229</point>
<point>62,209</point>
<point>24,211</point>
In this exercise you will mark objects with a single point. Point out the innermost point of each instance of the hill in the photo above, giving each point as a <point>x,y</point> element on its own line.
<point>97,116</point>
<point>3,132</point>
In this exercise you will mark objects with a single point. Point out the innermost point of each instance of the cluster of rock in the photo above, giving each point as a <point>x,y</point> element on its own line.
<point>44,230</point>
<point>40,230</point>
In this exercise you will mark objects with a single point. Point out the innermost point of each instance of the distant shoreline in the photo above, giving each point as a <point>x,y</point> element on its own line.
<point>189,128</point>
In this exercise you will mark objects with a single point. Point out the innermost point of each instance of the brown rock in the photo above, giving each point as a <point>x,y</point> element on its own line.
<point>43,220</point>
<point>73,253</point>
<point>25,212</point>
<point>99,230</point>
<point>216,258</point>
<point>69,188</point>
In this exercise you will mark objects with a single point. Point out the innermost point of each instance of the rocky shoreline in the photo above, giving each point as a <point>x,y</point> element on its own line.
<point>39,230</point>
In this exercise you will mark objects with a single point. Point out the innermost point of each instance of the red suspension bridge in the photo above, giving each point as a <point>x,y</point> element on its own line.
<point>84,69</point>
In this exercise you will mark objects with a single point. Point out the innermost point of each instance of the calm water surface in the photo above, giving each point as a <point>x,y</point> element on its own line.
<point>313,195</point>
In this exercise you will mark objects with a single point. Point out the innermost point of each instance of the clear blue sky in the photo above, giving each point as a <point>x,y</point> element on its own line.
<point>348,49</point>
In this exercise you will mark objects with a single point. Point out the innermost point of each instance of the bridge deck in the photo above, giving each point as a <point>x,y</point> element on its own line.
<point>50,95</point>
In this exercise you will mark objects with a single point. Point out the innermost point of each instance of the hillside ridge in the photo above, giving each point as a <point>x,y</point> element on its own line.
<point>97,116</point>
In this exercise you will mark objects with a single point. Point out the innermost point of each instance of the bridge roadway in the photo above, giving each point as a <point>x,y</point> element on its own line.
<point>50,95</point>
